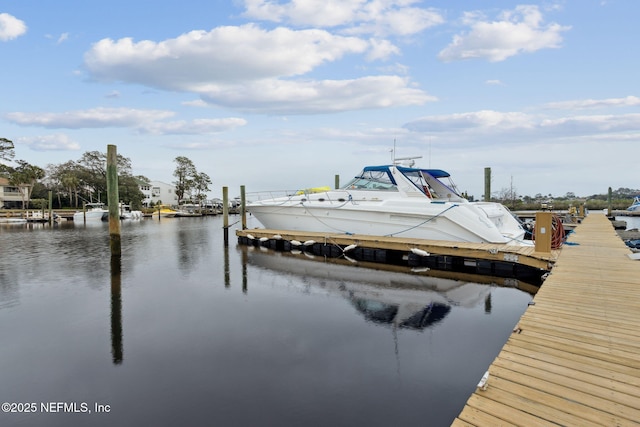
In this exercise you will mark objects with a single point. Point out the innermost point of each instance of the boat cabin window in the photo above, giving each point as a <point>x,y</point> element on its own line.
<point>371,180</point>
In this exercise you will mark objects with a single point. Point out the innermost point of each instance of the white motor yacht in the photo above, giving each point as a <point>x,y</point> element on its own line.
<point>393,200</point>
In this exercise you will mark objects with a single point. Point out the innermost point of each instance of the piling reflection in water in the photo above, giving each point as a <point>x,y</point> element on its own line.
<point>116,310</point>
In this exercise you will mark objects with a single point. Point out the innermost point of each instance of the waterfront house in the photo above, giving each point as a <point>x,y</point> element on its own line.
<point>11,196</point>
<point>158,191</point>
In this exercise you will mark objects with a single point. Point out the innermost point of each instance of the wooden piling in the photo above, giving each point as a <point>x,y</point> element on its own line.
<point>112,200</point>
<point>225,214</point>
<point>243,207</point>
<point>487,184</point>
<point>50,208</point>
<point>336,182</point>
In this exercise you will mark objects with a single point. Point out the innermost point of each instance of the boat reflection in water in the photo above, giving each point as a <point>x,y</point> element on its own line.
<point>384,294</point>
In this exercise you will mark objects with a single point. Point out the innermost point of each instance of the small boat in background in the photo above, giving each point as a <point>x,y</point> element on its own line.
<point>127,213</point>
<point>635,206</point>
<point>92,212</point>
<point>12,220</point>
<point>188,210</point>
<point>164,212</point>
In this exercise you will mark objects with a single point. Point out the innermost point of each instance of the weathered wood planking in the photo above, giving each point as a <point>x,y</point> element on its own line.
<point>574,357</point>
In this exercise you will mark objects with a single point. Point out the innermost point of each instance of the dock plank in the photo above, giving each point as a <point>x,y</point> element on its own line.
<point>574,356</point>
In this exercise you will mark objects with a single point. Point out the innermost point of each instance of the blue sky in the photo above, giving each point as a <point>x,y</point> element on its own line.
<point>287,94</point>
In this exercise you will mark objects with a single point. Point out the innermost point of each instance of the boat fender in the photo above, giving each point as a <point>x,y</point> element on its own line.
<point>482,385</point>
<point>349,248</point>
<point>250,236</point>
<point>350,259</point>
<point>419,252</point>
<point>277,237</point>
<point>295,243</point>
<point>264,239</point>
<point>309,242</point>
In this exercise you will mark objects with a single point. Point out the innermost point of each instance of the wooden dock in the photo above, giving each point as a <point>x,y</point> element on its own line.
<point>574,357</point>
<point>526,256</point>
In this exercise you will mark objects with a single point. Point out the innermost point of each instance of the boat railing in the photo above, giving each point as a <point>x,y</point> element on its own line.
<point>319,194</point>
<point>260,196</point>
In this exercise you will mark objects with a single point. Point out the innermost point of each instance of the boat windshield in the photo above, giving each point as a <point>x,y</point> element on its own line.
<point>427,180</point>
<point>376,180</point>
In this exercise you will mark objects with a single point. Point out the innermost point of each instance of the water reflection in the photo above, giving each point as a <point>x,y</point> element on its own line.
<point>116,310</point>
<point>314,343</point>
<point>192,243</point>
<point>394,296</point>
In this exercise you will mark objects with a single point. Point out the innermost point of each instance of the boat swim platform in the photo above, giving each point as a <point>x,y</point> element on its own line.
<point>574,357</point>
<point>479,258</point>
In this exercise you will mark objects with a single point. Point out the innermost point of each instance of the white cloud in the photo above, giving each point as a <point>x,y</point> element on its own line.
<point>251,69</point>
<point>518,31</point>
<point>63,38</point>
<point>93,118</point>
<point>389,17</point>
<point>494,127</point>
<point>193,127</point>
<point>494,82</point>
<point>629,101</point>
<point>594,124</point>
<point>224,54</point>
<point>381,49</point>
<point>486,119</point>
<point>11,27</point>
<point>310,97</point>
<point>144,121</point>
<point>57,142</point>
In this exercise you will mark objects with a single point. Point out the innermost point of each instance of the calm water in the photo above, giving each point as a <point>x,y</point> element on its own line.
<point>183,332</point>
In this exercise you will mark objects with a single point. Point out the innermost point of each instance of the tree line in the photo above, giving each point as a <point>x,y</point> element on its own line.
<point>85,180</point>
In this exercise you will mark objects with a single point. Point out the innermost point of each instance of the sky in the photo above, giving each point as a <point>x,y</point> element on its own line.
<point>283,95</point>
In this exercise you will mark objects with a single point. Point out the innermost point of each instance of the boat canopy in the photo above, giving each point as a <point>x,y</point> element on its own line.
<point>436,173</point>
<point>426,180</point>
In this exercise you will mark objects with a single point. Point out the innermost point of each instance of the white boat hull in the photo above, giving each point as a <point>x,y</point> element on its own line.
<point>90,216</point>
<point>12,220</point>
<point>431,221</point>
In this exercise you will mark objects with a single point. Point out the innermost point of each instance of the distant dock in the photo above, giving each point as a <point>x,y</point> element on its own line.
<point>574,357</point>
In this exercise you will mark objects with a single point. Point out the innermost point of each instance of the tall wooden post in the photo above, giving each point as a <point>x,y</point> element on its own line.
<point>225,214</point>
<point>113,200</point>
<point>487,184</point>
<point>336,182</point>
<point>50,207</point>
<point>243,207</point>
<point>609,197</point>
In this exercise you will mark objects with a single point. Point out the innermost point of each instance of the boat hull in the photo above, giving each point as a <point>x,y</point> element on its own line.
<point>91,216</point>
<point>431,221</point>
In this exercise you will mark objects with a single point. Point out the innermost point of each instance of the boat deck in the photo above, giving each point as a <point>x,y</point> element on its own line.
<point>574,357</point>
